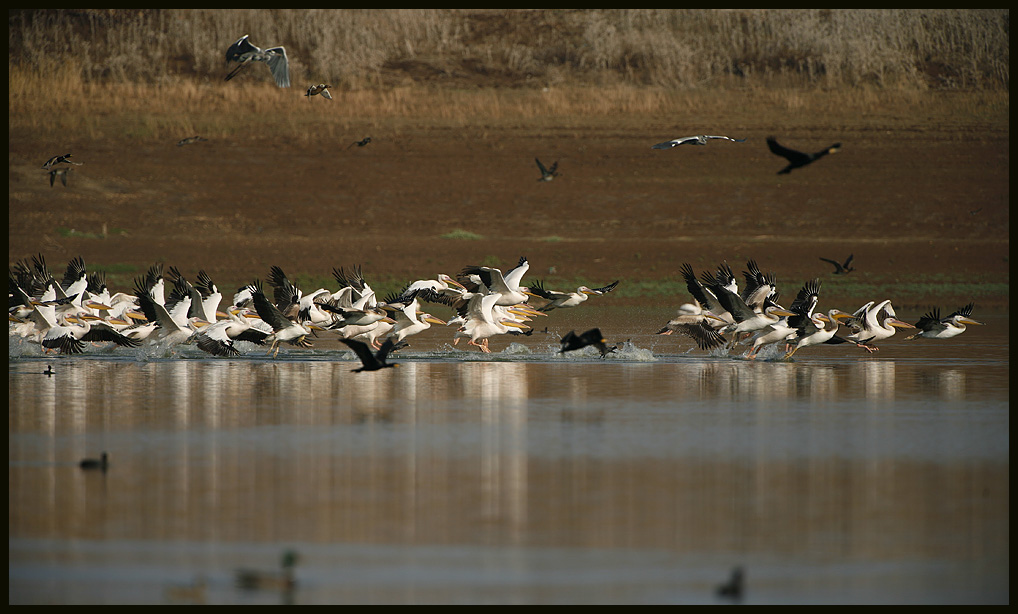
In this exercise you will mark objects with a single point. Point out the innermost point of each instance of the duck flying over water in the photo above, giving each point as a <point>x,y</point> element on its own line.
<point>841,268</point>
<point>798,159</point>
<point>547,174</point>
<point>700,139</point>
<point>371,362</point>
<point>243,52</point>
<point>932,326</point>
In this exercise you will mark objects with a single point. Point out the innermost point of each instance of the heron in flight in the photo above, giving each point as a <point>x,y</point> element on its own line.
<point>700,139</point>
<point>244,53</point>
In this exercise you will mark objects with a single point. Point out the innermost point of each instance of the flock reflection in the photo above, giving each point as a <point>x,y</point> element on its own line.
<point>222,393</point>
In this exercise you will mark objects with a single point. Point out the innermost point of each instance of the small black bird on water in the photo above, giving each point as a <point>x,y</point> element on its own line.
<point>571,341</point>
<point>95,463</point>
<point>49,370</point>
<point>372,362</point>
<point>798,159</point>
<point>547,174</point>
<point>734,587</point>
<point>360,143</point>
<point>839,268</point>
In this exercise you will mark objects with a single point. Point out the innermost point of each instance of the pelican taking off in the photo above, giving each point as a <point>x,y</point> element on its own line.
<point>244,53</point>
<point>932,326</point>
<point>700,139</point>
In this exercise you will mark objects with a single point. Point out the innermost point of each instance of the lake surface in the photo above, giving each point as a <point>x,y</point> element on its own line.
<point>523,476</point>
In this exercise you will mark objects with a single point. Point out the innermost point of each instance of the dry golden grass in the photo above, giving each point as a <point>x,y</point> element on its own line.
<point>675,48</point>
<point>79,109</point>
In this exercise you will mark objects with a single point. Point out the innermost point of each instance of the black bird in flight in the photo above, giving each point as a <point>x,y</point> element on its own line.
<point>360,143</point>
<point>547,174</point>
<point>839,268</point>
<point>798,159</point>
<point>96,463</point>
<point>571,341</point>
<point>372,362</point>
<point>733,588</point>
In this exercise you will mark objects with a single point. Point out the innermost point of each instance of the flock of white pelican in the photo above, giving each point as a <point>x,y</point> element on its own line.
<point>167,309</point>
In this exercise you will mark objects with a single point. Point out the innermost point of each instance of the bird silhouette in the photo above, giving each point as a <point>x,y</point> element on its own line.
<point>571,341</point>
<point>360,143</point>
<point>547,174</point>
<point>798,159</point>
<point>100,463</point>
<point>371,362</point>
<point>839,268</point>
<point>282,580</point>
<point>733,589</point>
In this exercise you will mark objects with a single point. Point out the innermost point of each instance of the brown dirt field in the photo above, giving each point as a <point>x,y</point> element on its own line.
<point>914,201</point>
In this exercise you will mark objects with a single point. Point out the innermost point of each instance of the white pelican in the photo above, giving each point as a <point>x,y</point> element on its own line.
<point>283,328</point>
<point>409,319</point>
<point>547,174</point>
<point>703,296</point>
<point>443,285</point>
<point>71,339</point>
<point>746,319</point>
<point>932,326</point>
<point>699,139</point>
<point>798,159</point>
<point>295,304</point>
<point>786,327</point>
<point>557,300</point>
<point>481,323</point>
<point>759,287</point>
<point>873,323</point>
<point>507,287</point>
<point>693,322</point>
<point>244,53</point>
<point>172,325</point>
<point>820,329</point>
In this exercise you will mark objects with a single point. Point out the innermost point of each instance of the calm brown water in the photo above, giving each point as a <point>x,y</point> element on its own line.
<point>519,477</point>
